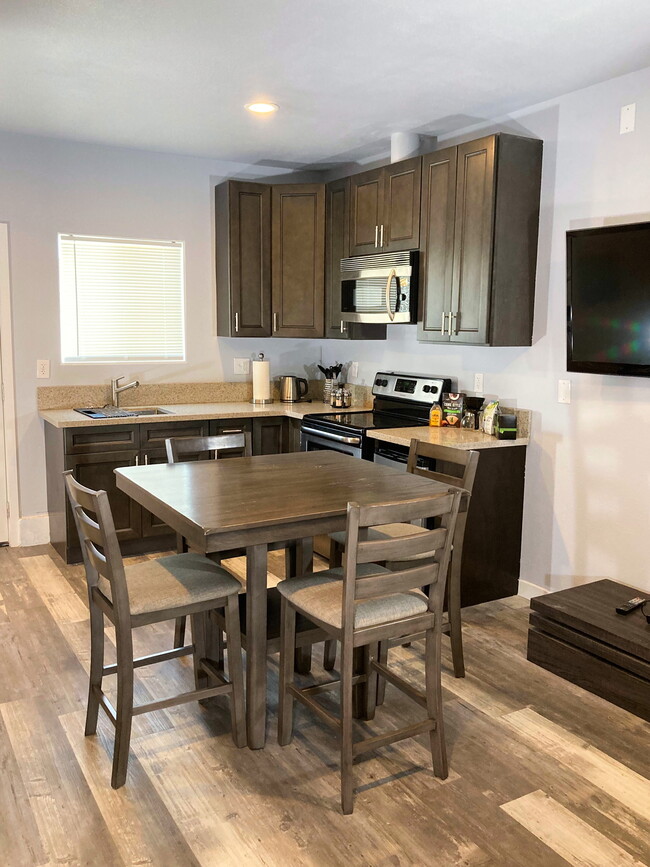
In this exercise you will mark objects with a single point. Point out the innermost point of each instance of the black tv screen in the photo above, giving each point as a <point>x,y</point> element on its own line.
<point>608,309</point>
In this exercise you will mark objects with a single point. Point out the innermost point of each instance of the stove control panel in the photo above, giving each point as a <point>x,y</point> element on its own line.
<point>412,387</point>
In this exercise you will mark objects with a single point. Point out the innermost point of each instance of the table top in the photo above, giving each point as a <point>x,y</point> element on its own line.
<point>591,610</point>
<point>218,497</point>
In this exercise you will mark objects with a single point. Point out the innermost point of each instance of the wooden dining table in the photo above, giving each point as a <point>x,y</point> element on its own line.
<point>253,502</point>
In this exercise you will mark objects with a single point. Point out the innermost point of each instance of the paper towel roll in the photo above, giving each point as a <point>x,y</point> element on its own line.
<point>261,381</point>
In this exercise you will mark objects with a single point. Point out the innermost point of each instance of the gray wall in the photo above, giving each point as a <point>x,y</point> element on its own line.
<point>587,509</point>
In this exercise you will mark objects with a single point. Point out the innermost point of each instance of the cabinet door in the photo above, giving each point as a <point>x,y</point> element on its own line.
<point>243,259</point>
<point>97,471</point>
<point>337,242</point>
<point>401,212</point>
<point>366,211</point>
<point>153,436</point>
<point>475,189</point>
<point>231,426</point>
<point>298,255</point>
<point>269,436</point>
<point>437,233</point>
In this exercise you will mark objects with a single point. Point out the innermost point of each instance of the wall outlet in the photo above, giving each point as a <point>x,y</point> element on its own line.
<point>564,391</point>
<point>478,383</point>
<point>242,366</point>
<point>43,369</point>
<point>353,371</point>
<point>628,118</point>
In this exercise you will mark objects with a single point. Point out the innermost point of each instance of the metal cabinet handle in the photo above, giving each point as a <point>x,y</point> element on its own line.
<point>236,322</point>
<point>342,327</point>
<point>232,430</point>
<point>453,327</point>
<point>390,312</point>
<point>275,321</point>
<point>381,236</point>
<point>146,460</point>
<point>137,460</point>
<point>442,322</point>
<point>376,235</point>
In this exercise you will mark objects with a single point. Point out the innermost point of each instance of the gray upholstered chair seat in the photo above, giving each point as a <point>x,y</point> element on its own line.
<point>321,596</point>
<point>168,582</point>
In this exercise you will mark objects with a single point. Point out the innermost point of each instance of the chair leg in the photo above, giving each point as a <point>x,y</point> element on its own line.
<point>235,671</point>
<point>329,654</point>
<point>199,640</point>
<point>370,695</point>
<point>434,701</point>
<point>336,554</point>
<point>347,782</point>
<point>455,624</point>
<point>124,709</point>
<point>214,641</point>
<point>96,666</point>
<point>179,631</point>
<point>382,657</point>
<point>287,647</point>
<point>302,659</point>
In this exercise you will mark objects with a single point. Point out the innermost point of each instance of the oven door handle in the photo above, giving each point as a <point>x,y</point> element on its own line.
<point>327,435</point>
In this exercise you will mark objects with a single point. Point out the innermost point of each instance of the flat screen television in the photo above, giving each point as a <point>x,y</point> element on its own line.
<point>608,300</point>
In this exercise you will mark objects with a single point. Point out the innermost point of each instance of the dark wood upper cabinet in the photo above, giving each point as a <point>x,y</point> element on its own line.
<point>480,217</point>
<point>298,258</point>
<point>243,259</point>
<point>366,211</point>
<point>385,208</point>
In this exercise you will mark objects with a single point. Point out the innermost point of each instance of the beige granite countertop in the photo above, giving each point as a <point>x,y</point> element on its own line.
<point>444,436</point>
<point>62,418</point>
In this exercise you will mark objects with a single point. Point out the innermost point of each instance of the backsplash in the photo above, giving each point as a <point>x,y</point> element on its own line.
<point>155,394</point>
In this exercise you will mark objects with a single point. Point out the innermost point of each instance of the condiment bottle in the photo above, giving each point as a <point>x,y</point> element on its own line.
<point>435,415</point>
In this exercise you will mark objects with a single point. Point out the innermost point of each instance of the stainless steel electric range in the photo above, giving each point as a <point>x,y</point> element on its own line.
<point>400,400</point>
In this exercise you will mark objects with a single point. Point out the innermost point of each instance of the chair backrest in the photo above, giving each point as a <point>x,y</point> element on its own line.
<point>465,461</point>
<point>434,546</point>
<point>100,548</point>
<point>235,442</point>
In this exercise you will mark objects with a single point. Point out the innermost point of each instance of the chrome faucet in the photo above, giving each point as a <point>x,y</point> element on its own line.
<point>117,390</point>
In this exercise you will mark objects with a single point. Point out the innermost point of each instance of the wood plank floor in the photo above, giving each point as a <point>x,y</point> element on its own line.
<point>542,774</point>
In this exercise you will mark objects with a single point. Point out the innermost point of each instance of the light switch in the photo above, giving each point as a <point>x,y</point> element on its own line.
<point>564,391</point>
<point>628,117</point>
<point>242,366</point>
<point>478,383</point>
<point>353,372</point>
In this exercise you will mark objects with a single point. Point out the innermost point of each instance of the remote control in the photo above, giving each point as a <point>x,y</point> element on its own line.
<point>626,607</point>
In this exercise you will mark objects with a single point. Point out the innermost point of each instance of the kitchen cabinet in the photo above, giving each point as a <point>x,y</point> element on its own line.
<point>270,435</point>
<point>298,259</point>
<point>385,208</point>
<point>480,217</point>
<point>243,259</point>
<point>337,242</point>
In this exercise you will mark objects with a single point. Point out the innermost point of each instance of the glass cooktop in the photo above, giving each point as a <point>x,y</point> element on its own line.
<point>361,421</point>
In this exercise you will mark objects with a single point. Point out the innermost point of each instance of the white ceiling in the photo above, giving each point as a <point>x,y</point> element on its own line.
<point>174,76</point>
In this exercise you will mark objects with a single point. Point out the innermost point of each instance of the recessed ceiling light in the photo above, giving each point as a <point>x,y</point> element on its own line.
<point>262,107</point>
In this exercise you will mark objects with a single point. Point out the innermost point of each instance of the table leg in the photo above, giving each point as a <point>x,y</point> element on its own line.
<point>256,559</point>
<point>303,565</point>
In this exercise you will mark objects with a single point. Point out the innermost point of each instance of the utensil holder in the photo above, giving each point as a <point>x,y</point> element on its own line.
<point>328,386</point>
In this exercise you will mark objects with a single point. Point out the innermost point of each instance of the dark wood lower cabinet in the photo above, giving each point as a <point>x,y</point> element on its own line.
<point>270,435</point>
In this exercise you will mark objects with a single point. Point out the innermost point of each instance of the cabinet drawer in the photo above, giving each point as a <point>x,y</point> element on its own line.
<point>230,425</point>
<point>154,435</point>
<point>105,438</point>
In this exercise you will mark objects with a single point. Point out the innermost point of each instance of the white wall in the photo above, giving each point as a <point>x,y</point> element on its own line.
<point>587,507</point>
<point>50,186</point>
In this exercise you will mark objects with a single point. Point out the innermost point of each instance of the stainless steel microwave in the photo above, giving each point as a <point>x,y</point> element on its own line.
<point>380,288</point>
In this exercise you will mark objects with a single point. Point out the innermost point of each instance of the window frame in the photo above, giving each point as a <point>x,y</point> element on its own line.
<point>118,359</point>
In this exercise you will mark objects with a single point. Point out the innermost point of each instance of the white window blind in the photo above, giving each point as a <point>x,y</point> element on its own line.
<point>121,299</point>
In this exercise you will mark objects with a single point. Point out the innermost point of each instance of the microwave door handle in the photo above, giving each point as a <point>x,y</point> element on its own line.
<point>392,274</point>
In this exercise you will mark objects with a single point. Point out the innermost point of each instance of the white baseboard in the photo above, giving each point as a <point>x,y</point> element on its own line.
<point>34,530</point>
<point>528,590</point>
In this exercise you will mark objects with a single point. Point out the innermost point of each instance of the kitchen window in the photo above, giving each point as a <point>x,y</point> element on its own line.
<point>121,299</point>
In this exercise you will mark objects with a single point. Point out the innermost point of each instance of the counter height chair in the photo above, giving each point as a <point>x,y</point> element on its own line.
<point>455,467</point>
<point>363,603</point>
<point>141,594</point>
<point>238,444</point>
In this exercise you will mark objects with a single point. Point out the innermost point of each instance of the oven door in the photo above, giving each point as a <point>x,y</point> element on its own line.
<point>312,440</point>
<point>397,457</point>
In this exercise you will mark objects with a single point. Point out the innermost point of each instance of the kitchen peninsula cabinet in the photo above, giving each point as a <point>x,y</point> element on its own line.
<point>480,217</point>
<point>298,259</point>
<point>385,208</point>
<point>243,259</point>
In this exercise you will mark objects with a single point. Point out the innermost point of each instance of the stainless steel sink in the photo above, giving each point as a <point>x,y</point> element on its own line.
<point>117,412</point>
